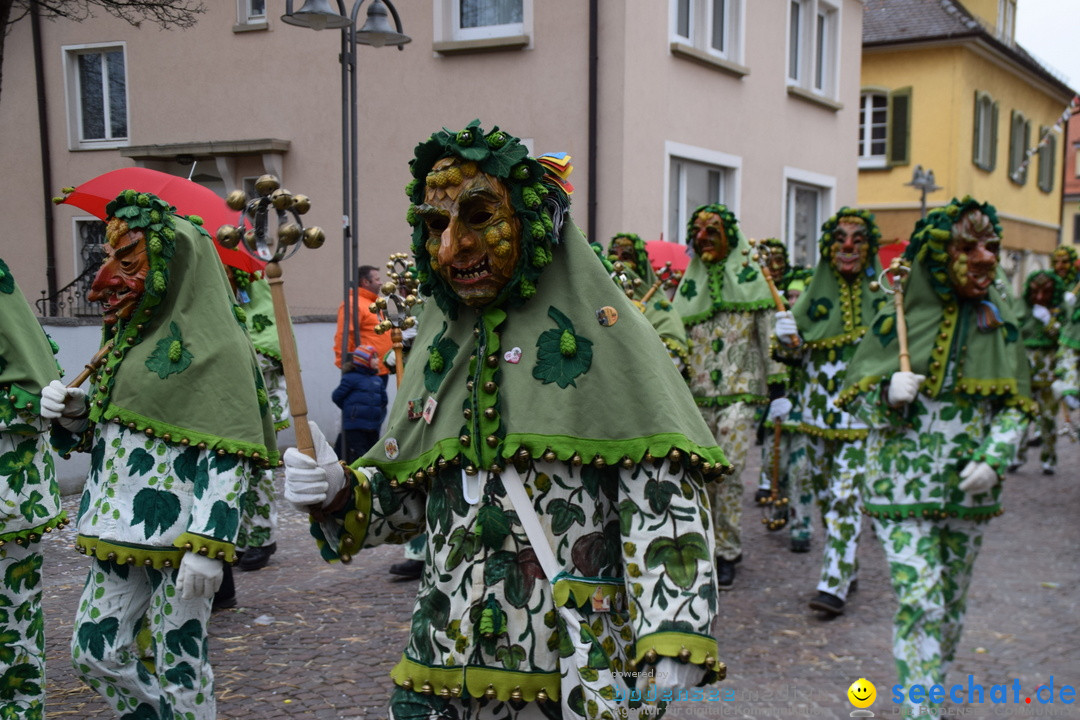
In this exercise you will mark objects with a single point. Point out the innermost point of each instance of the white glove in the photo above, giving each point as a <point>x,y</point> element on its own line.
<point>1058,387</point>
<point>67,406</point>
<point>390,360</point>
<point>671,674</point>
<point>310,482</point>
<point>784,327</point>
<point>1072,402</point>
<point>903,387</point>
<point>199,576</point>
<point>977,477</point>
<point>408,333</point>
<point>779,408</point>
<point>1040,313</point>
<point>1070,298</point>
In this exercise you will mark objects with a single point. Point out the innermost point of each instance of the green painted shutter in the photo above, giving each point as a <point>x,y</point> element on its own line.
<point>899,147</point>
<point>993,137</point>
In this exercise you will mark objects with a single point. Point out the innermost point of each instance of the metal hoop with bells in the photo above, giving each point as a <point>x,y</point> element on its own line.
<point>400,292</point>
<point>891,282</point>
<point>259,241</point>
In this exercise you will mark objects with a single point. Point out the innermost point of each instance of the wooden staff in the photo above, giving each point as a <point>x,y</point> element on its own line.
<point>399,353</point>
<point>778,299</point>
<point>290,361</point>
<point>95,362</point>
<point>897,269</point>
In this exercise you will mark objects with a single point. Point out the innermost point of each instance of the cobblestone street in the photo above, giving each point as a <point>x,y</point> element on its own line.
<point>311,640</point>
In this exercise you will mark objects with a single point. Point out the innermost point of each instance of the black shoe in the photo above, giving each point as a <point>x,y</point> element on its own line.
<point>725,573</point>
<point>853,587</point>
<point>1013,467</point>
<point>1035,441</point>
<point>257,557</point>
<point>411,569</point>
<point>761,497</point>
<point>800,546</point>
<point>828,603</point>
<point>224,603</point>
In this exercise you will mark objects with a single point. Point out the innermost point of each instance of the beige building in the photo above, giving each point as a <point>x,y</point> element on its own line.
<point>672,103</point>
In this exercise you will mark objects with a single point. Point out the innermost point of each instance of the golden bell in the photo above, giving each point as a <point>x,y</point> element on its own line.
<point>236,200</point>
<point>388,288</point>
<point>281,199</point>
<point>301,204</point>
<point>228,236</point>
<point>314,237</point>
<point>289,233</point>
<point>408,322</point>
<point>266,184</point>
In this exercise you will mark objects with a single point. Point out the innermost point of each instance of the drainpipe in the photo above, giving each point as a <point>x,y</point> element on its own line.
<point>46,161</point>
<point>594,63</point>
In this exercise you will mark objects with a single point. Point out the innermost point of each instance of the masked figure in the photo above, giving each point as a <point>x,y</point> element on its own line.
<point>942,434</point>
<point>725,304</point>
<point>177,424</point>
<point>31,499</point>
<point>1044,312</point>
<point>831,318</point>
<point>520,366</point>
<point>648,292</point>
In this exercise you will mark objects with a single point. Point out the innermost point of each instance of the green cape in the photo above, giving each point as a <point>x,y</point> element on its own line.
<point>26,353</point>
<point>832,311</point>
<point>644,269</point>
<point>602,394</point>
<point>183,367</point>
<point>259,317</point>
<point>992,362</point>
<point>1036,334</point>
<point>733,284</point>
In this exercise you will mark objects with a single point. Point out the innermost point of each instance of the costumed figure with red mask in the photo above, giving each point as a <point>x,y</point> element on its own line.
<point>178,424</point>
<point>942,433</point>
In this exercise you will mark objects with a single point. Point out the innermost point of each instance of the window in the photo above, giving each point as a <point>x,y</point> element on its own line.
<point>884,128</point>
<point>1006,19</point>
<point>984,143</point>
<point>482,20</point>
<point>807,197</point>
<point>813,46</point>
<point>1019,141</point>
<point>1047,155</point>
<point>252,11</point>
<point>96,78</point>
<point>709,25</point>
<point>697,177</point>
<point>1076,228</point>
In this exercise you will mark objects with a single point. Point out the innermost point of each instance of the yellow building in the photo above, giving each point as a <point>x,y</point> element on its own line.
<point>946,87</point>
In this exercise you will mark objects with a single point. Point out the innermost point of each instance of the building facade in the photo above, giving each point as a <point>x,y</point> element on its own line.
<point>946,87</point>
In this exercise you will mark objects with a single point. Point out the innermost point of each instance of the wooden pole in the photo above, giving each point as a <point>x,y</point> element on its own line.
<point>290,362</point>
<point>399,353</point>
<point>901,323</point>
<point>94,364</point>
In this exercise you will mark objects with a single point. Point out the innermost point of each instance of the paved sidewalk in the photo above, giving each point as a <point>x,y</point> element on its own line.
<point>311,640</point>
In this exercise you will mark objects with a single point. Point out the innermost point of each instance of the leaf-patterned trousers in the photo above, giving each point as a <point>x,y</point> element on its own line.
<point>930,562</point>
<point>732,426</point>
<point>115,600</point>
<point>22,685</point>
<point>258,513</point>
<point>1046,423</point>
<point>409,705</point>
<point>830,472</point>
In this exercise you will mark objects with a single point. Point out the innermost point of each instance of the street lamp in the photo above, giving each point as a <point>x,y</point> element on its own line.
<point>924,181</point>
<point>376,32</point>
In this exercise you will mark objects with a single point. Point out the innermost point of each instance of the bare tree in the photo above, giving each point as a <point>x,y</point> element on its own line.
<point>165,13</point>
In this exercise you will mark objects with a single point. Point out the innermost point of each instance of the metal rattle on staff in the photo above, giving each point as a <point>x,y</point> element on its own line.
<point>891,281</point>
<point>400,292</point>
<point>261,242</point>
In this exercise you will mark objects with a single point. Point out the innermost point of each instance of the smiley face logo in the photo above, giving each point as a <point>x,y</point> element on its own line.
<point>862,693</point>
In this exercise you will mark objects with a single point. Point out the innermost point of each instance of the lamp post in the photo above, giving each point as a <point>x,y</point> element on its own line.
<point>376,32</point>
<point>924,181</point>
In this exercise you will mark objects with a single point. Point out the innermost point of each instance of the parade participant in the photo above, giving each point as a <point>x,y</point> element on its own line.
<point>257,539</point>
<point>791,281</point>
<point>1043,313</point>
<point>941,434</point>
<point>827,324</point>
<point>527,346</point>
<point>177,423</point>
<point>31,500</point>
<point>649,294</point>
<point>725,304</point>
<point>1064,263</point>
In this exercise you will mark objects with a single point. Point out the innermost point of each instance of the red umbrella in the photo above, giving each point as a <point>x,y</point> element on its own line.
<point>189,198</point>
<point>661,251</point>
<point>887,251</point>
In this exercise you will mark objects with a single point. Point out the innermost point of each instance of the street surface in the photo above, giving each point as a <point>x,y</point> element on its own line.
<point>317,641</point>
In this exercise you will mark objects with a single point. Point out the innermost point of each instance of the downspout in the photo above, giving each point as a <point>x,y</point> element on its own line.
<point>46,161</point>
<point>594,63</point>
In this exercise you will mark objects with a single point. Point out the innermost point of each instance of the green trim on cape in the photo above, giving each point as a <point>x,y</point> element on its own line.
<point>34,534</point>
<point>474,680</point>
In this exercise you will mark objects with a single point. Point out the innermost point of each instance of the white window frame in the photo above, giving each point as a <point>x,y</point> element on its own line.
<point>826,184</point>
<point>245,15</point>
<point>1006,20</point>
<point>813,47</point>
<point>731,189</point>
<point>867,157</point>
<point>700,32</point>
<point>70,59</point>
<point>448,24</point>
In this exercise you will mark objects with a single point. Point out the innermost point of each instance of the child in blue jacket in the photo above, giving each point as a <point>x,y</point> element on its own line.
<point>362,399</point>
